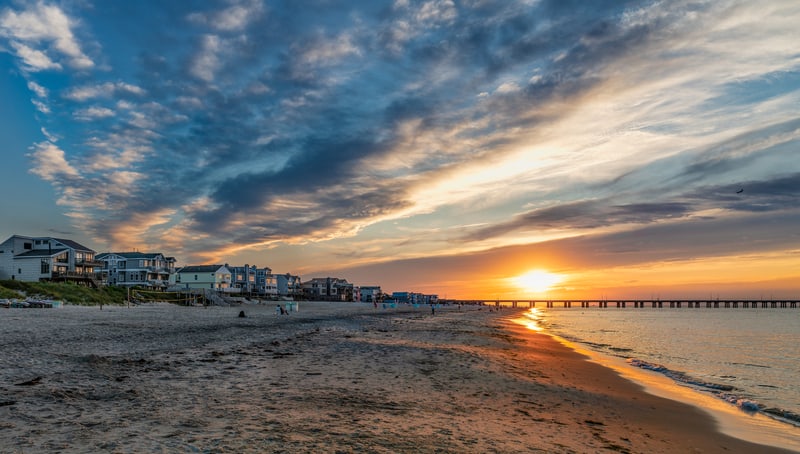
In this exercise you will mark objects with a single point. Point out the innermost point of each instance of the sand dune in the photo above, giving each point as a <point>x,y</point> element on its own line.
<point>332,377</point>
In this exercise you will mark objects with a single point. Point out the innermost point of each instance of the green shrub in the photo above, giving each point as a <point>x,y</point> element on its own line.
<point>7,293</point>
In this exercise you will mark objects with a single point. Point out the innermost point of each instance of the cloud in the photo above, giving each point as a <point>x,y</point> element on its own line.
<point>523,120</point>
<point>50,163</point>
<point>326,51</point>
<point>234,18</point>
<point>93,113</point>
<point>104,90</point>
<point>52,138</point>
<point>207,62</point>
<point>43,24</point>
<point>34,60</point>
<point>40,91</point>
<point>40,106</point>
<point>436,12</point>
<point>775,195</point>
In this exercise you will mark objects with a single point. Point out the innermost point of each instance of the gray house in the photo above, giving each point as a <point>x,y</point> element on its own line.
<point>137,269</point>
<point>34,259</point>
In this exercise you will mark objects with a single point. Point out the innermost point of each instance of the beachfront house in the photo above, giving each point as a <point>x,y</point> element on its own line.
<point>34,259</point>
<point>243,278</point>
<point>197,277</point>
<point>328,289</point>
<point>266,283</point>
<point>370,294</point>
<point>253,280</point>
<point>136,269</point>
<point>289,286</point>
<point>414,298</point>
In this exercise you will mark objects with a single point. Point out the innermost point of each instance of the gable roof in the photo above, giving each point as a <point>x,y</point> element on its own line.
<point>73,244</point>
<point>200,268</point>
<point>129,255</point>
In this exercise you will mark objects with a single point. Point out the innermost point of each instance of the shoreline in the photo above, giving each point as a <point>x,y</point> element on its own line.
<point>332,376</point>
<point>707,421</point>
<point>731,420</point>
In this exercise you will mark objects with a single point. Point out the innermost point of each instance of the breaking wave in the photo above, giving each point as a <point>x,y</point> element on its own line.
<point>724,392</point>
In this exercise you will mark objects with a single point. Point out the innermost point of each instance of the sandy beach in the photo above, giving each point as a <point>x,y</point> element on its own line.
<point>331,377</point>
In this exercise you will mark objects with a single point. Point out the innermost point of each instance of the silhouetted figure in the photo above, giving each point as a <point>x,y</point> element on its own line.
<point>241,314</point>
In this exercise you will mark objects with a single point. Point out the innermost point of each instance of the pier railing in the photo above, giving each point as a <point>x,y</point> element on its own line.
<point>634,303</point>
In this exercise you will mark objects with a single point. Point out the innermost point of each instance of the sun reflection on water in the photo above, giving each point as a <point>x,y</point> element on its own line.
<point>531,319</point>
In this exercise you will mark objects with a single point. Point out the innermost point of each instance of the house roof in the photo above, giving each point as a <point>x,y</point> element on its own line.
<point>129,255</point>
<point>40,253</point>
<point>200,268</point>
<point>73,244</point>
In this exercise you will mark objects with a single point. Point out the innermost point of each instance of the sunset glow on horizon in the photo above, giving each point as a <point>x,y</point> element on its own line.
<point>537,282</point>
<point>493,149</point>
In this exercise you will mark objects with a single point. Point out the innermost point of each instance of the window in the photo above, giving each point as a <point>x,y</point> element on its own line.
<point>27,246</point>
<point>45,267</point>
<point>195,277</point>
<point>19,270</point>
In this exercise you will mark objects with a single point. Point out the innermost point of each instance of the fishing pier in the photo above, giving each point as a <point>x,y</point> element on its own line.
<point>634,303</point>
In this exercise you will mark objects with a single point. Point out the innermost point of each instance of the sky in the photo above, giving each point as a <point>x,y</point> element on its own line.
<point>471,149</point>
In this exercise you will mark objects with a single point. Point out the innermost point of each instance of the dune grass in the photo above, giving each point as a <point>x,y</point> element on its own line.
<point>66,292</point>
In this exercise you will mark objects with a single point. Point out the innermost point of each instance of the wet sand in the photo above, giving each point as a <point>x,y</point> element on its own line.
<point>333,377</point>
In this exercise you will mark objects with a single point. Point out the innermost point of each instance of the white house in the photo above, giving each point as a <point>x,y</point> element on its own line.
<point>35,259</point>
<point>213,277</point>
<point>129,269</point>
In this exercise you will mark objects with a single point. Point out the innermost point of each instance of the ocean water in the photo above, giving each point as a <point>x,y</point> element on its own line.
<point>748,358</point>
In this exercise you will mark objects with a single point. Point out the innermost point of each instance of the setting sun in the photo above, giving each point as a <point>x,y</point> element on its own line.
<point>537,281</point>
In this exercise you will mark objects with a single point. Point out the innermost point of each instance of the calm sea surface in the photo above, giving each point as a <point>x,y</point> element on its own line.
<point>747,357</point>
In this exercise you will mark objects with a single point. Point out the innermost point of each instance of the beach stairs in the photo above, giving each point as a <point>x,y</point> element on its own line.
<point>216,299</point>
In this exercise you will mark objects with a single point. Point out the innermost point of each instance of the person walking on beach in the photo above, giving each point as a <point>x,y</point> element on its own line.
<point>433,309</point>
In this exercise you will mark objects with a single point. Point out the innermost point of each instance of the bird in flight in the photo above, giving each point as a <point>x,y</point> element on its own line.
<point>741,190</point>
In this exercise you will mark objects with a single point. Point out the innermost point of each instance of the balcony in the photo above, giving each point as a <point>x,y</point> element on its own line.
<point>88,279</point>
